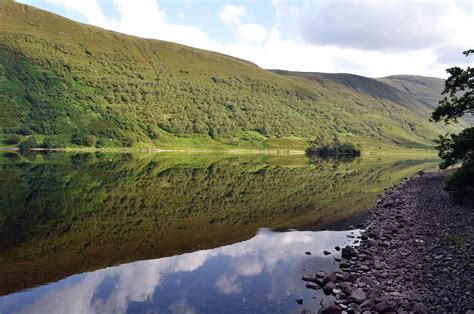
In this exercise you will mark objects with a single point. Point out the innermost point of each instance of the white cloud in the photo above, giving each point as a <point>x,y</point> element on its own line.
<point>232,14</point>
<point>369,24</point>
<point>252,33</point>
<point>90,9</point>
<point>373,25</point>
<point>227,285</point>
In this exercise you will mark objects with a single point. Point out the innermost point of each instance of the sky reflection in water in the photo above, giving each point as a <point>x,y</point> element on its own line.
<point>262,274</point>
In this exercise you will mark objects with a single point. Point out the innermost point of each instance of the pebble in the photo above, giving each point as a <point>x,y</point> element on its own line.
<point>415,256</point>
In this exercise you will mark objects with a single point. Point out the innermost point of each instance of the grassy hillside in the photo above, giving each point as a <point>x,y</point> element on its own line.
<point>80,85</point>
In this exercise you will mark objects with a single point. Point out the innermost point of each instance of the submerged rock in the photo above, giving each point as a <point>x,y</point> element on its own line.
<point>330,277</point>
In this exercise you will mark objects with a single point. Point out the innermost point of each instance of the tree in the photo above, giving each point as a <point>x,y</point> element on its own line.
<point>12,139</point>
<point>28,144</point>
<point>458,101</point>
<point>84,139</point>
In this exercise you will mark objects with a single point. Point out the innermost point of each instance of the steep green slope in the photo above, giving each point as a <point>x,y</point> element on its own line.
<point>79,84</point>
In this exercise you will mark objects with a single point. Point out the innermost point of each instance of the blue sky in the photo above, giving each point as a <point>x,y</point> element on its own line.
<point>368,37</point>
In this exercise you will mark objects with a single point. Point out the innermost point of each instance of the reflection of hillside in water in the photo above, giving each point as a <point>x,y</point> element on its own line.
<point>233,278</point>
<point>65,214</point>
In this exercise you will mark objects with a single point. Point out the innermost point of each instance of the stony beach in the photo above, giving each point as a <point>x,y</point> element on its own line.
<point>416,255</point>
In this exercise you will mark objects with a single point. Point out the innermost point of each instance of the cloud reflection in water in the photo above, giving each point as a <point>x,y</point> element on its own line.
<point>260,274</point>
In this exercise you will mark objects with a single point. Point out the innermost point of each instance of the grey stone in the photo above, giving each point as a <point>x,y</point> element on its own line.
<point>329,307</point>
<point>420,308</point>
<point>329,287</point>
<point>312,285</point>
<point>330,277</point>
<point>358,295</point>
<point>367,303</point>
<point>382,306</point>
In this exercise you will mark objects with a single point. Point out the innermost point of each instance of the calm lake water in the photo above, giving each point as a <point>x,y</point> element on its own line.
<point>117,233</point>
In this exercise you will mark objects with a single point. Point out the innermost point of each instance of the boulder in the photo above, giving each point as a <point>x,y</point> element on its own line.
<point>329,287</point>
<point>348,252</point>
<point>330,277</point>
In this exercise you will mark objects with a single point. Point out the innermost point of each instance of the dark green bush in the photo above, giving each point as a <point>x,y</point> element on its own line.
<point>333,150</point>
<point>12,139</point>
<point>53,143</point>
<point>127,141</point>
<point>28,144</point>
<point>24,130</point>
<point>461,183</point>
<point>100,143</point>
<point>83,139</point>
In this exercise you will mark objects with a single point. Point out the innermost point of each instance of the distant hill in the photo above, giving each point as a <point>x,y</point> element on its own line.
<point>425,89</point>
<point>81,85</point>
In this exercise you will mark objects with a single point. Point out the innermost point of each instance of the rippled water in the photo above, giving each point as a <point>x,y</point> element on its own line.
<point>84,233</point>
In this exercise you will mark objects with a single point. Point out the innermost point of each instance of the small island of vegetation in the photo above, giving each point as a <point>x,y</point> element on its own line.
<point>334,149</point>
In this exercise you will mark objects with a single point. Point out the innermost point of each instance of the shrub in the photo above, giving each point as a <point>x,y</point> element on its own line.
<point>25,130</point>
<point>12,139</point>
<point>127,141</point>
<point>28,144</point>
<point>53,143</point>
<point>84,139</point>
<point>461,183</point>
<point>100,143</point>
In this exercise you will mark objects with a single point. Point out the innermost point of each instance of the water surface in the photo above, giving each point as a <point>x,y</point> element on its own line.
<point>167,233</point>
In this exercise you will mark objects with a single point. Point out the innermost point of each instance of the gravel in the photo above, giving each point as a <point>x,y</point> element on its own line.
<point>415,255</point>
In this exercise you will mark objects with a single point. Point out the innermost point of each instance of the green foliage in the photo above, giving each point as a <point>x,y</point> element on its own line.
<point>12,139</point>
<point>28,144</point>
<point>461,183</point>
<point>334,149</point>
<point>459,94</point>
<point>127,141</point>
<point>99,143</point>
<point>458,148</point>
<point>129,91</point>
<point>50,143</point>
<point>84,139</point>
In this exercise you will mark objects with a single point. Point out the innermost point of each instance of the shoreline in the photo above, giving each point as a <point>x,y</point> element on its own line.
<point>416,255</point>
<point>282,151</point>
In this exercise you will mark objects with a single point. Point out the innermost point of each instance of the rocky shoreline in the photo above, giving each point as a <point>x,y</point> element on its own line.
<point>416,255</point>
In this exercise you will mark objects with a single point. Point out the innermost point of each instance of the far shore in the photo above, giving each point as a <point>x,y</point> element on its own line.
<point>273,151</point>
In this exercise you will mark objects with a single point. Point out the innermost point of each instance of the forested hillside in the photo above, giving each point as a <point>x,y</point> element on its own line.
<point>66,83</point>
